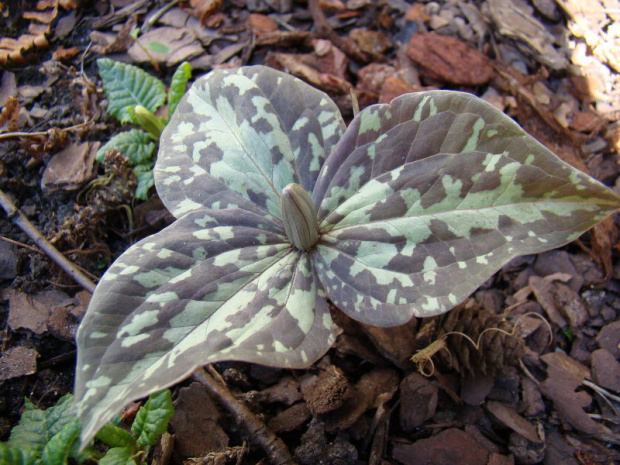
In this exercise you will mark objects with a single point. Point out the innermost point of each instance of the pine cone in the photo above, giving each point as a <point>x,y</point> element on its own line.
<point>500,344</point>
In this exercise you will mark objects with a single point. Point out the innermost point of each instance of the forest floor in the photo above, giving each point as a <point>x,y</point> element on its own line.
<point>544,391</point>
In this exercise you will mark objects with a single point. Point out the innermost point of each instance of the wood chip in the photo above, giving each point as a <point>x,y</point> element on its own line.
<point>418,401</point>
<point>606,370</point>
<point>18,361</point>
<point>195,423</point>
<point>449,59</point>
<point>609,338</point>
<point>327,391</point>
<point>450,446</point>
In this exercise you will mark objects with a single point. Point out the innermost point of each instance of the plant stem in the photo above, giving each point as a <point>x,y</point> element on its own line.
<point>19,219</point>
<point>273,446</point>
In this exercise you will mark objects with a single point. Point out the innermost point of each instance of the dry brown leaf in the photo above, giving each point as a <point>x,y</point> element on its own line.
<point>298,65</point>
<point>394,87</point>
<point>372,42</point>
<point>396,344</point>
<point>9,115</point>
<point>510,418</point>
<point>62,54</point>
<point>332,5</point>
<point>285,391</point>
<point>106,43</point>
<point>561,303</point>
<point>33,312</point>
<point>45,17</point>
<point>11,50</point>
<point>609,338</point>
<point>416,13</point>
<point>70,168</point>
<point>182,43</point>
<point>564,376</point>
<point>204,9</point>
<point>262,23</point>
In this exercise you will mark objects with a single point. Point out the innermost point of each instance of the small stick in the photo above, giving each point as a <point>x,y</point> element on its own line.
<point>273,446</point>
<point>17,217</point>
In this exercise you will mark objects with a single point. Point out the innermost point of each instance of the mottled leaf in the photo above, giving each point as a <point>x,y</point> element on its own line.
<point>126,86</point>
<point>215,285</point>
<point>135,144</point>
<point>424,199</point>
<point>242,136</point>
<point>418,203</point>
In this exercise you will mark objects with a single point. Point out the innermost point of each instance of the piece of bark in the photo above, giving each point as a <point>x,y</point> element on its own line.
<point>476,388</point>
<point>418,401</point>
<point>327,391</point>
<point>371,391</point>
<point>609,338</point>
<point>452,446</point>
<point>606,370</point>
<point>195,423</point>
<point>448,59</point>
<point>18,361</point>
<point>290,419</point>
<point>8,260</point>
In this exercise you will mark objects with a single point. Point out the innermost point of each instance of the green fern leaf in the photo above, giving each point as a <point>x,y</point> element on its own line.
<point>15,456</point>
<point>152,419</point>
<point>135,144</point>
<point>126,86</point>
<point>59,447</point>
<point>178,85</point>
<point>37,427</point>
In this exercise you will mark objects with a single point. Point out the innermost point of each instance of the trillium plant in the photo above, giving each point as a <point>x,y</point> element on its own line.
<point>281,208</point>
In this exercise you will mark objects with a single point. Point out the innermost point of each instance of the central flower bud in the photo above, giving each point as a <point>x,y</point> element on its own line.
<point>299,216</point>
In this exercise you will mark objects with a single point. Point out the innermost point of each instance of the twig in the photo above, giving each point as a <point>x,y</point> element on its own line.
<point>259,433</point>
<point>9,135</point>
<point>25,225</point>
